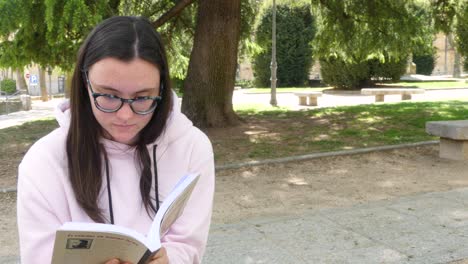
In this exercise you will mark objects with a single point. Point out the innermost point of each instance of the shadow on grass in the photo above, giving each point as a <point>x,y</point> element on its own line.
<point>279,133</point>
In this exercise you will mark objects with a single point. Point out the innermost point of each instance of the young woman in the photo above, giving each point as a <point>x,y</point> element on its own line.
<point>121,147</point>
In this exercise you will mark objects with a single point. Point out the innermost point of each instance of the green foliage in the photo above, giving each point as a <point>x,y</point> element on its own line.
<point>443,13</point>
<point>67,23</point>
<point>177,34</point>
<point>344,75</point>
<point>249,11</point>
<point>178,51</point>
<point>46,32</point>
<point>389,70</point>
<point>244,83</point>
<point>461,32</point>
<point>424,54</point>
<point>356,29</point>
<point>424,63</point>
<point>10,54</point>
<point>8,86</point>
<point>360,40</point>
<point>295,30</point>
<point>177,84</point>
<point>349,75</point>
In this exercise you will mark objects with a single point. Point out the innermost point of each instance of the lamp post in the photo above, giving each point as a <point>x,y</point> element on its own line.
<point>49,71</point>
<point>273,101</point>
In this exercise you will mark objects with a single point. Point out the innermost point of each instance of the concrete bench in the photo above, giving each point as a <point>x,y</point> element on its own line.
<point>381,92</point>
<point>308,98</point>
<point>453,138</point>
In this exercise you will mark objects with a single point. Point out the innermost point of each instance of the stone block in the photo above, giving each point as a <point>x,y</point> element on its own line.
<point>308,98</point>
<point>25,102</point>
<point>381,92</point>
<point>456,129</point>
<point>406,97</point>
<point>379,97</point>
<point>453,149</point>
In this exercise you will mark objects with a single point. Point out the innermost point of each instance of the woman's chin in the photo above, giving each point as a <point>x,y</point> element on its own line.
<point>124,139</point>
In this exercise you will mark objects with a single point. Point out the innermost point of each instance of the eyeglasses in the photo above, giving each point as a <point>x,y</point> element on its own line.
<point>109,103</point>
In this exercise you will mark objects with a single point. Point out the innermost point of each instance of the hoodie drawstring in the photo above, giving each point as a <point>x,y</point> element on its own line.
<point>156,189</point>
<point>109,193</point>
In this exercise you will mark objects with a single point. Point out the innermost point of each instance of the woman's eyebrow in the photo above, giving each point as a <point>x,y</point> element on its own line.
<point>108,88</point>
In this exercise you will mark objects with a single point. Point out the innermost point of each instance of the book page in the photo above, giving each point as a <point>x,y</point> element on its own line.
<point>96,247</point>
<point>173,206</point>
<point>176,209</point>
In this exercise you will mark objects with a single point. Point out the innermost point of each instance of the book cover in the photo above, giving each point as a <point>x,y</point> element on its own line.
<point>77,242</point>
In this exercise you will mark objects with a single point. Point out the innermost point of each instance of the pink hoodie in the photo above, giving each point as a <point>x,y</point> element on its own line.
<point>46,199</point>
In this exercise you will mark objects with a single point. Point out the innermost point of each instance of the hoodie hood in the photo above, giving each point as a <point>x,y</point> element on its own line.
<point>176,126</point>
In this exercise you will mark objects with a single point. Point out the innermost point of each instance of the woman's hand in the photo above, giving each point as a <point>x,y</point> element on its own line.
<point>117,261</point>
<point>159,258</point>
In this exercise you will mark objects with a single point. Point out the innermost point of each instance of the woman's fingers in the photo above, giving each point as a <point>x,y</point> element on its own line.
<point>113,261</point>
<point>160,257</point>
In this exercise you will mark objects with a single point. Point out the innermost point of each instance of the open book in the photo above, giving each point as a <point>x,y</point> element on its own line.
<point>95,243</point>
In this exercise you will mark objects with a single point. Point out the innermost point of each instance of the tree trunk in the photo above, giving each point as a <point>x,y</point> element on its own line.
<point>20,81</point>
<point>210,79</point>
<point>456,65</point>
<point>42,84</point>
<point>68,83</point>
<point>456,57</point>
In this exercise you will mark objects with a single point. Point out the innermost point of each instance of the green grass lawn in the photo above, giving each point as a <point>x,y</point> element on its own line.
<point>25,134</point>
<point>278,132</point>
<point>15,141</point>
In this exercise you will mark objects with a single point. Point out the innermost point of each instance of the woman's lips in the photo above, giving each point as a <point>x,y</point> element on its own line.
<point>123,125</point>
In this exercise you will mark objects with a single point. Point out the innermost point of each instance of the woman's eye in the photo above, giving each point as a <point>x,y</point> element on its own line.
<point>112,96</point>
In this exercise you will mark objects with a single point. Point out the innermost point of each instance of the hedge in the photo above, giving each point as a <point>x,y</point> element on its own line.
<point>424,63</point>
<point>8,86</point>
<point>347,75</point>
<point>295,29</point>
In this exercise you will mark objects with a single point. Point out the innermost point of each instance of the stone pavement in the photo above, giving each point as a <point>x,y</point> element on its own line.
<point>425,228</point>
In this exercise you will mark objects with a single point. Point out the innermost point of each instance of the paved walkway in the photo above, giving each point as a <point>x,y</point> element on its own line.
<point>291,101</point>
<point>427,228</point>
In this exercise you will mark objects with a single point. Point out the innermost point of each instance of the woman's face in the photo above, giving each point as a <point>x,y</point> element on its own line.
<point>126,80</point>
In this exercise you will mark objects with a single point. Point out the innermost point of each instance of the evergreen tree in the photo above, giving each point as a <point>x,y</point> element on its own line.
<point>295,30</point>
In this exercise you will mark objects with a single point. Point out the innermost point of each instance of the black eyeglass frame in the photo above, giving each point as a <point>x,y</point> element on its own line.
<point>156,99</point>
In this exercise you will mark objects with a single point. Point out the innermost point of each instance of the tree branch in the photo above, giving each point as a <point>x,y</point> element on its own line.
<point>174,11</point>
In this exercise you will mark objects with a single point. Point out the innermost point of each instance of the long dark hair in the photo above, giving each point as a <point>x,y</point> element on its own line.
<point>123,38</point>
